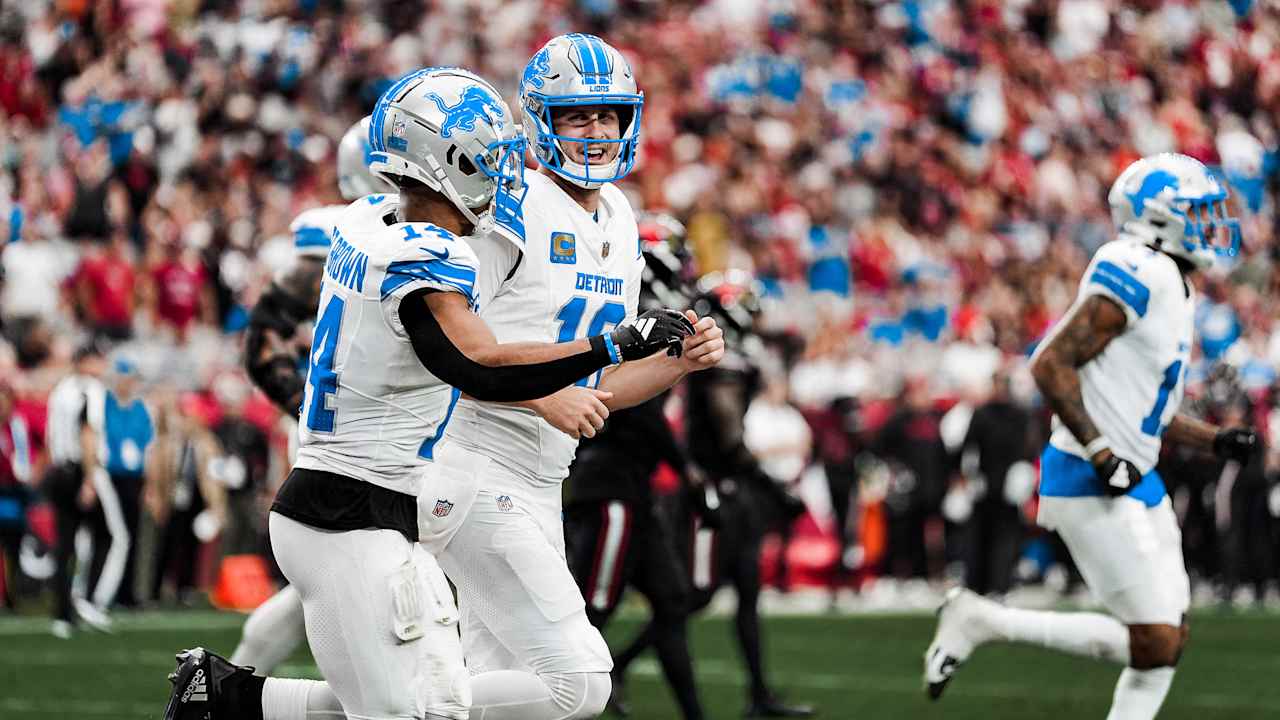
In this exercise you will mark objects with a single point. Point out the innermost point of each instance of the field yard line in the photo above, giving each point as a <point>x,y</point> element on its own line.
<point>726,673</point>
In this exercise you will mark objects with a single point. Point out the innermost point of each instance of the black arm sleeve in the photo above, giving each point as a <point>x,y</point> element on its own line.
<point>278,376</point>
<point>507,383</point>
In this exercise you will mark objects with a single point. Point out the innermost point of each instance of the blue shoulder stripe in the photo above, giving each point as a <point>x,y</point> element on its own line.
<point>406,271</point>
<point>310,236</point>
<point>1125,286</point>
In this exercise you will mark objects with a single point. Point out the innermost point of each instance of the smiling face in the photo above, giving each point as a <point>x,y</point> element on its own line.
<point>589,122</point>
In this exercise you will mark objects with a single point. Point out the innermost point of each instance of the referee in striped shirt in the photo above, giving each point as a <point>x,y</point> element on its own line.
<point>73,432</point>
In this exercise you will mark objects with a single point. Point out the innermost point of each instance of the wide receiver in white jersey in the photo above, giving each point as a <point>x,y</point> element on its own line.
<point>574,271</point>
<point>395,328</point>
<point>276,349</point>
<point>1112,370</point>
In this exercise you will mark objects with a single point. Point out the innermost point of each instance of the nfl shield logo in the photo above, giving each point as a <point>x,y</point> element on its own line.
<point>442,508</point>
<point>504,503</point>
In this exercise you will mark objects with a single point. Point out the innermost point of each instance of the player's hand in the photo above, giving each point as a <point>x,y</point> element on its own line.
<point>1118,476</point>
<point>652,332</point>
<point>1235,444</point>
<point>575,411</point>
<point>705,347</point>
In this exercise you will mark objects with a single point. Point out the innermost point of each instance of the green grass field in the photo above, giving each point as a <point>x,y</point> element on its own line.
<point>851,667</point>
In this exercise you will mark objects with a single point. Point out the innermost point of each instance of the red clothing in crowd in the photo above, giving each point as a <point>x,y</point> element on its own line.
<point>178,289</point>
<point>110,281</point>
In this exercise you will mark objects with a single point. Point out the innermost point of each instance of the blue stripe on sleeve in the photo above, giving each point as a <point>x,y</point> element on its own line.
<point>401,273</point>
<point>1125,286</point>
<point>310,237</point>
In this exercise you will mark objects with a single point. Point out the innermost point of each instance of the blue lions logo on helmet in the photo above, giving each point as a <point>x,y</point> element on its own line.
<point>1151,187</point>
<point>476,104</point>
<point>539,66</point>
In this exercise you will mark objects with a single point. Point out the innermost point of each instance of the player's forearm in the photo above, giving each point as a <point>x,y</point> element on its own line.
<point>457,347</point>
<point>636,381</point>
<point>1059,382</point>
<point>1191,432</point>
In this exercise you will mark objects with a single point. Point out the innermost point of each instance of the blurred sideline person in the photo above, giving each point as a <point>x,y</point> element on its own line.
<point>396,327</point>
<point>127,435</point>
<point>73,434</point>
<point>1113,372</point>
<point>276,348</point>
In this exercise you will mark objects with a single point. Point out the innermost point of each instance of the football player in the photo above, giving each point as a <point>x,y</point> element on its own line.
<point>750,503</point>
<point>575,270</point>
<point>395,329</point>
<point>1113,370</point>
<point>276,360</point>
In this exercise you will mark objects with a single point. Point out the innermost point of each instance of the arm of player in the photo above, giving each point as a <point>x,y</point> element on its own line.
<point>1083,335</point>
<point>273,368</point>
<point>575,411</point>
<point>1227,443</point>
<point>456,346</point>
<point>635,382</point>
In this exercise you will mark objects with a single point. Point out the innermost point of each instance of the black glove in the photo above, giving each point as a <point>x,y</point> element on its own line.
<point>653,331</point>
<point>1235,444</point>
<point>1118,476</point>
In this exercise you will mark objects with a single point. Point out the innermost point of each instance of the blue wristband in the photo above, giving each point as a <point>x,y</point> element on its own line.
<point>613,349</point>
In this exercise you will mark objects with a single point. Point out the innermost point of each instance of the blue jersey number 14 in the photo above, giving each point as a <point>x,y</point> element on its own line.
<point>320,375</point>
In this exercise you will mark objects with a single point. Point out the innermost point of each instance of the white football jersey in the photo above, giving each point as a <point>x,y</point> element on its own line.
<point>580,276</point>
<point>371,411</point>
<point>1133,388</point>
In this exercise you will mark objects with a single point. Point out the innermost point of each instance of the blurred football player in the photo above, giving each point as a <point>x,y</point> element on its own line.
<point>276,345</point>
<point>614,534</point>
<point>395,329</point>
<point>750,503</point>
<point>1113,370</point>
<point>572,270</point>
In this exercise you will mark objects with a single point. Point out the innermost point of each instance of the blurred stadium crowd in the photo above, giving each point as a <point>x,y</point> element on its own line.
<point>912,189</point>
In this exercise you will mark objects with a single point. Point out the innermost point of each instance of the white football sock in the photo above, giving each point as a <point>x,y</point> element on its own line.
<point>299,700</point>
<point>272,633</point>
<point>1140,693</point>
<point>1091,635</point>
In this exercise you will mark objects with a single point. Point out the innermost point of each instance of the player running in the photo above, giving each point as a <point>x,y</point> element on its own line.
<point>1112,370</point>
<point>525,633</point>
<point>395,329</point>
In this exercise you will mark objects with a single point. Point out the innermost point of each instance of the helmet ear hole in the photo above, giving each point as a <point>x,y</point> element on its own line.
<point>467,167</point>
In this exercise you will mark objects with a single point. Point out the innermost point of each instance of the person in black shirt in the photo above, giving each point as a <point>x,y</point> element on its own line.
<point>749,503</point>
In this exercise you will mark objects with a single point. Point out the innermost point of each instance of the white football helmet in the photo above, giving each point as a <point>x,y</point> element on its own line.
<point>1175,203</point>
<point>578,69</point>
<point>355,180</point>
<point>449,130</point>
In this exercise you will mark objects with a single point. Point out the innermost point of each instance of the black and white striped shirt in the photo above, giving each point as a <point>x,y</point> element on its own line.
<point>76,399</point>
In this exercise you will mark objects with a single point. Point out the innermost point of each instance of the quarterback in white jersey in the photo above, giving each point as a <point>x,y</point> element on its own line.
<point>525,634</point>
<point>395,328</point>
<point>1113,371</point>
